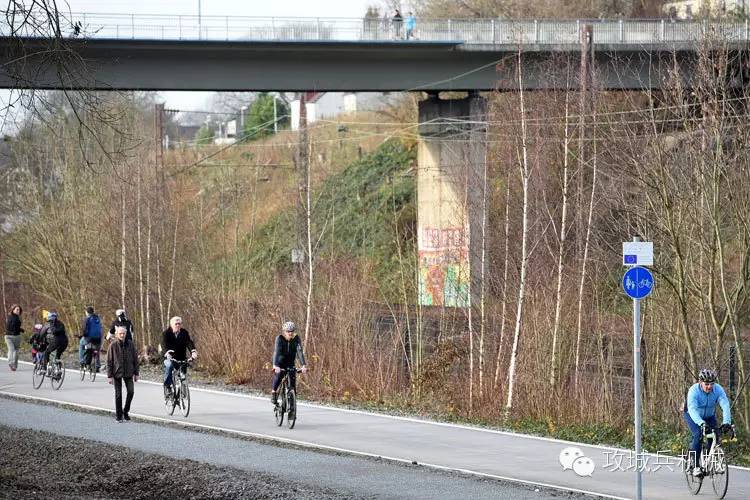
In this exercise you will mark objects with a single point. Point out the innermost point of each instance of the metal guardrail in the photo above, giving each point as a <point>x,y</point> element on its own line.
<point>468,31</point>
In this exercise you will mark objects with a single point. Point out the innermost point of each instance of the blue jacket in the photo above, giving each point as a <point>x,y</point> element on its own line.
<point>702,405</point>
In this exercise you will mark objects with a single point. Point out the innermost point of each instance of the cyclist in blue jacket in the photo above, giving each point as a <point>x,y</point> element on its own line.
<point>700,412</point>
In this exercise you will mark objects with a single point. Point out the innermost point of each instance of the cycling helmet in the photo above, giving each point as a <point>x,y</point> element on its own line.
<point>707,375</point>
<point>51,316</point>
<point>289,326</point>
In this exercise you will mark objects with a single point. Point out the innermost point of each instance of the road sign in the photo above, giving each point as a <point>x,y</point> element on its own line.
<point>637,253</point>
<point>638,282</point>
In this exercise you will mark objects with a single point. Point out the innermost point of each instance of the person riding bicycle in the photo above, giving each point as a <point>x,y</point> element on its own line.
<point>700,412</point>
<point>121,319</point>
<point>56,336</point>
<point>91,333</point>
<point>287,349</point>
<point>175,344</point>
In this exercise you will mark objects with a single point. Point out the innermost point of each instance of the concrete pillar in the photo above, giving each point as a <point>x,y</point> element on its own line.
<point>451,156</point>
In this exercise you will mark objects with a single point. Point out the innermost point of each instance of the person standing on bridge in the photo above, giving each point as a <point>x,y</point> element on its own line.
<point>13,333</point>
<point>397,20</point>
<point>410,25</point>
<point>122,366</point>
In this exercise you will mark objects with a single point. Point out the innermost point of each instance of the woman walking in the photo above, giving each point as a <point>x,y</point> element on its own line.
<point>122,365</point>
<point>13,333</point>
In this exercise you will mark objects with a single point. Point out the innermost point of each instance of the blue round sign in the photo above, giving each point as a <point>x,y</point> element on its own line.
<point>638,282</point>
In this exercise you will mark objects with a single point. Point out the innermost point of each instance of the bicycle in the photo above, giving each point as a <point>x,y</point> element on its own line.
<point>180,393</point>
<point>55,371</point>
<point>714,463</point>
<point>287,401</point>
<point>90,359</point>
<point>38,374</point>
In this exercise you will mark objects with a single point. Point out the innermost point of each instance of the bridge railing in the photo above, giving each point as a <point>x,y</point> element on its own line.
<point>469,31</point>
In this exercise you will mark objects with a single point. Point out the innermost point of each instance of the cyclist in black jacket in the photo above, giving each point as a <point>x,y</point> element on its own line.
<point>287,349</point>
<point>56,336</point>
<point>176,344</point>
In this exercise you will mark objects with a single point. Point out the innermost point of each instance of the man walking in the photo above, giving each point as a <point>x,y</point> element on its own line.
<point>122,366</point>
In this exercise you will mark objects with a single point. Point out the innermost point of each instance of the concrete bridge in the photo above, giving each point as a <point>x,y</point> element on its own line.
<point>134,52</point>
<point>147,52</point>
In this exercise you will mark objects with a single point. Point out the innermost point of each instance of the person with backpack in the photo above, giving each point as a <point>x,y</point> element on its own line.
<point>91,333</point>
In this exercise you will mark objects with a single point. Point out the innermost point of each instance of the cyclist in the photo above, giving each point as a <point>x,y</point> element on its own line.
<point>700,412</point>
<point>57,338</point>
<point>175,344</point>
<point>121,319</point>
<point>287,349</point>
<point>91,333</point>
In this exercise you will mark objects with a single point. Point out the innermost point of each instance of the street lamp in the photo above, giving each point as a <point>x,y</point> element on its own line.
<point>199,20</point>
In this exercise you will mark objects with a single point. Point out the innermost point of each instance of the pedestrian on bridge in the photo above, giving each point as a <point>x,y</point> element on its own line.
<point>122,366</point>
<point>410,25</point>
<point>13,333</point>
<point>397,20</point>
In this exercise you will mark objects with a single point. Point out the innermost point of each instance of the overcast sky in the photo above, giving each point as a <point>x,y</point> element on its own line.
<point>258,8</point>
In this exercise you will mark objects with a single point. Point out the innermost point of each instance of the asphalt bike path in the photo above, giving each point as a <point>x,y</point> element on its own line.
<point>483,452</point>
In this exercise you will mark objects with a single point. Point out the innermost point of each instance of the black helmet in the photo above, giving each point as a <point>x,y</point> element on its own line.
<point>707,375</point>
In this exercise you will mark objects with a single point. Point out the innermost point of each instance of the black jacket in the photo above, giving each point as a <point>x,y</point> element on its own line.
<point>179,344</point>
<point>13,325</point>
<point>286,351</point>
<point>126,323</point>
<point>57,329</point>
<point>122,359</point>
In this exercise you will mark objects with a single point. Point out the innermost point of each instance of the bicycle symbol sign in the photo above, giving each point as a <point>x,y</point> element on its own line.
<point>638,282</point>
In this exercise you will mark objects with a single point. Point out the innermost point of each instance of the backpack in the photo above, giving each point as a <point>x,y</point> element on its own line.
<point>93,328</point>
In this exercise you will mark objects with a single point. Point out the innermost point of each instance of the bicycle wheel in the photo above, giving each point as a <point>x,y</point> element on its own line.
<point>92,370</point>
<point>171,401</point>
<point>291,417</point>
<point>184,398</point>
<point>83,371</point>
<point>694,483</point>
<point>58,376</point>
<point>280,409</point>
<point>37,377</point>
<point>719,473</point>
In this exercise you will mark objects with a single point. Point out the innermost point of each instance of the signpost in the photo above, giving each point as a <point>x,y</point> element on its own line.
<point>638,283</point>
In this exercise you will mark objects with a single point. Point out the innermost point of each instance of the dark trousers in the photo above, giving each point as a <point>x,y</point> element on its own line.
<point>119,410</point>
<point>55,344</point>
<point>292,380</point>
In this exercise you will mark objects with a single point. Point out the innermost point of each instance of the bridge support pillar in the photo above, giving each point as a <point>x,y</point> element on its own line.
<point>451,161</point>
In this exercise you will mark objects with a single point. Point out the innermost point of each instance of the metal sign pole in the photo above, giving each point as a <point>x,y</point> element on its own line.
<point>637,392</point>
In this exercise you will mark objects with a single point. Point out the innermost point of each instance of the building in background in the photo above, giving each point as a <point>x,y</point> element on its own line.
<point>688,9</point>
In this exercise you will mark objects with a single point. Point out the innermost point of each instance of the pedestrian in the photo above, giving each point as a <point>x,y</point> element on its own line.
<point>397,21</point>
<point>410,24</point>
<point>13,333</point>
<point>121,319</point>
<point>91,333</point>
<point>122,366</point>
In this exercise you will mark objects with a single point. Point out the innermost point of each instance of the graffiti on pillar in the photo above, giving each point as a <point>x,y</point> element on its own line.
<point>444,267</point>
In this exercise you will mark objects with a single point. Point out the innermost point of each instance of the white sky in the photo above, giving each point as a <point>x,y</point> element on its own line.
<point>256,8</point>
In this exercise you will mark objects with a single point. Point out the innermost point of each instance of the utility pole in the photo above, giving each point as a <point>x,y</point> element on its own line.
<point>159,135</point>
<point>200,34</point>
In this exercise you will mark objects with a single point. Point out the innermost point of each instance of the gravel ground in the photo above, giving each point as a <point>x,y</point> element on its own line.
<point>211,458</point>
<point>36,464</point>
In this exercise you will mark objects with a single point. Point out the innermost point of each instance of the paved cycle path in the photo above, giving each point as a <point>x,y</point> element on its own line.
<point>485,452</point>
